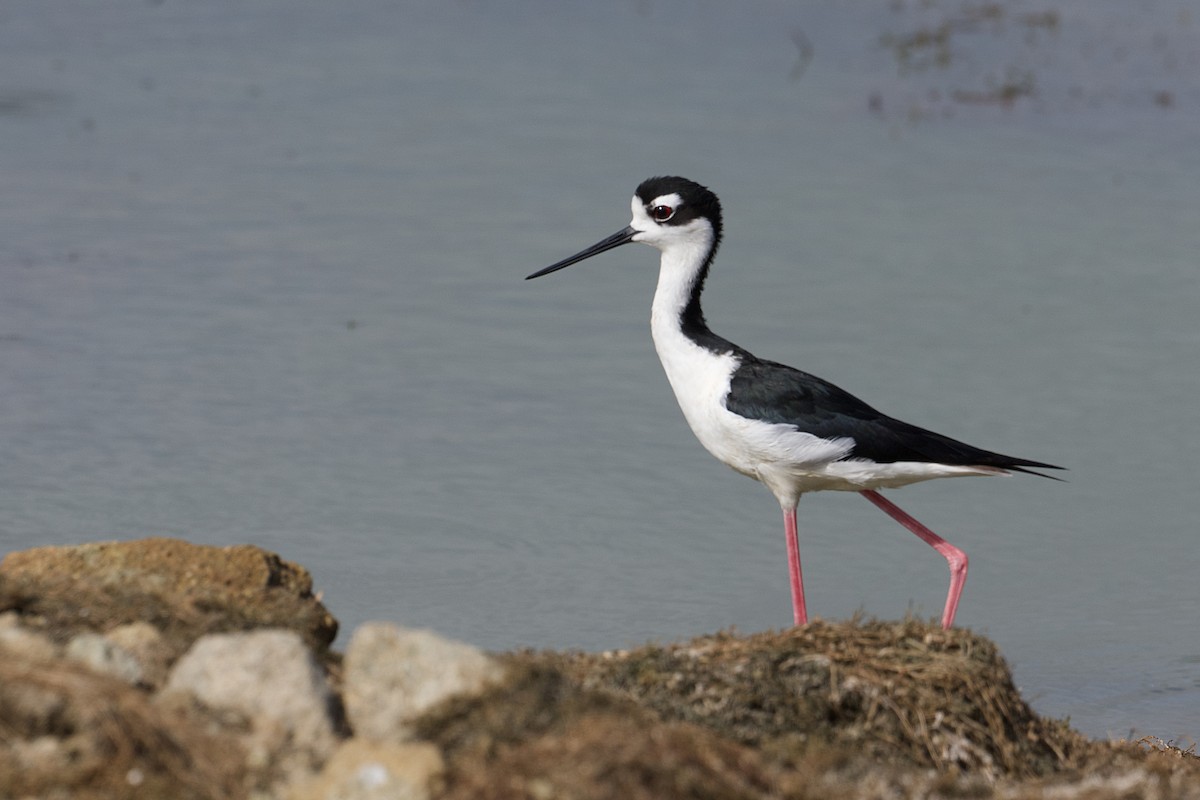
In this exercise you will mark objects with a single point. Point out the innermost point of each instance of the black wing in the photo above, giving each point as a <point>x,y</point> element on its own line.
<point>778,393</point>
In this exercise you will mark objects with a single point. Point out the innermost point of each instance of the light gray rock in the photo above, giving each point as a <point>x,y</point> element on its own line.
<point>271,679</point>
<point>394,674</point>
<point>363,770</point>
<point>19,640</point>
<point>145,643</point>
<point>100,655</point>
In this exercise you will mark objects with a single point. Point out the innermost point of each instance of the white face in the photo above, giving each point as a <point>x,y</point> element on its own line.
<point>653,224</point>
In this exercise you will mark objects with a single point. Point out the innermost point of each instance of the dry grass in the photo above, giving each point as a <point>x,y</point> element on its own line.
<point>66,731</point>
<point>853,710</point>
<point>901,692</point>
<point>541,735</point>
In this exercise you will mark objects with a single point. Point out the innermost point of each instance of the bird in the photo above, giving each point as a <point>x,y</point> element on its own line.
<point>790,430</point>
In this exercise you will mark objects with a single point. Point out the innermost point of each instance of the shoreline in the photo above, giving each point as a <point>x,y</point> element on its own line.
<point>155,668</point>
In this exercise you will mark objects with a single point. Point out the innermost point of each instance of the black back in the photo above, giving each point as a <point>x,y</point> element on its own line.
<point>777,393</point>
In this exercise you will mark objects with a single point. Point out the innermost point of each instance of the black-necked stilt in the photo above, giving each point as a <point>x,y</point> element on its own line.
<point>792,431</point>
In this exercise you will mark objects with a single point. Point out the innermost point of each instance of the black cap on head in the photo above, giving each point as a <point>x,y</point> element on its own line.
<point>698,201</point>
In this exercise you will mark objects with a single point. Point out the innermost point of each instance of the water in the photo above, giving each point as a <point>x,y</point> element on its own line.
<point>262,282</point>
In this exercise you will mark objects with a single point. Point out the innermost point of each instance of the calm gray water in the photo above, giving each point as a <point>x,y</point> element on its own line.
<point>262,272</point>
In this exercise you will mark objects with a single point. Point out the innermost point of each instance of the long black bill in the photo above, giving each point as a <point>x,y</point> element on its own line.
<point>619,238</point>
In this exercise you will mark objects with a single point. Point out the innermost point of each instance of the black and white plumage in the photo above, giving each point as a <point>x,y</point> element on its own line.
<point>792,431</point>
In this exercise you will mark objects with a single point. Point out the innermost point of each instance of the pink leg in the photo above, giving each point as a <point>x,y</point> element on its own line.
<point>799,613</point>
<point>956,558</point>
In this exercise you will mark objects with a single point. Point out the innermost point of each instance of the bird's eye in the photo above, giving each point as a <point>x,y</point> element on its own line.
<point>662,213</point>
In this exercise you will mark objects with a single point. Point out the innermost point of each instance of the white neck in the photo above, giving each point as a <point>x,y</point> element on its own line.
<point>698,376</point>
<point>678,271</point>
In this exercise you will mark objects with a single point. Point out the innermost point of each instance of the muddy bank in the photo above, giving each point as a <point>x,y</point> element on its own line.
<point>157,668</point>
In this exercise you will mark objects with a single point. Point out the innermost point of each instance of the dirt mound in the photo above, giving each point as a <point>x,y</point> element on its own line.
<point>182,589</point>
<point>903,692</point>
<point>849,710</point>
<point>541,734</point>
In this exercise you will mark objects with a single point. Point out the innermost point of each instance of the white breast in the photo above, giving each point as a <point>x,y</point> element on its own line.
<point>776,454</point>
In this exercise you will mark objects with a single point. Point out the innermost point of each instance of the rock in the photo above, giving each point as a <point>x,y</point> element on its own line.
<point>21,641</point>
<point>363,770</point>
<point>271,679</point>
<point>146,644</point>
<point>101,655</point>
<point>184,590</point>
<point>393,675</point>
